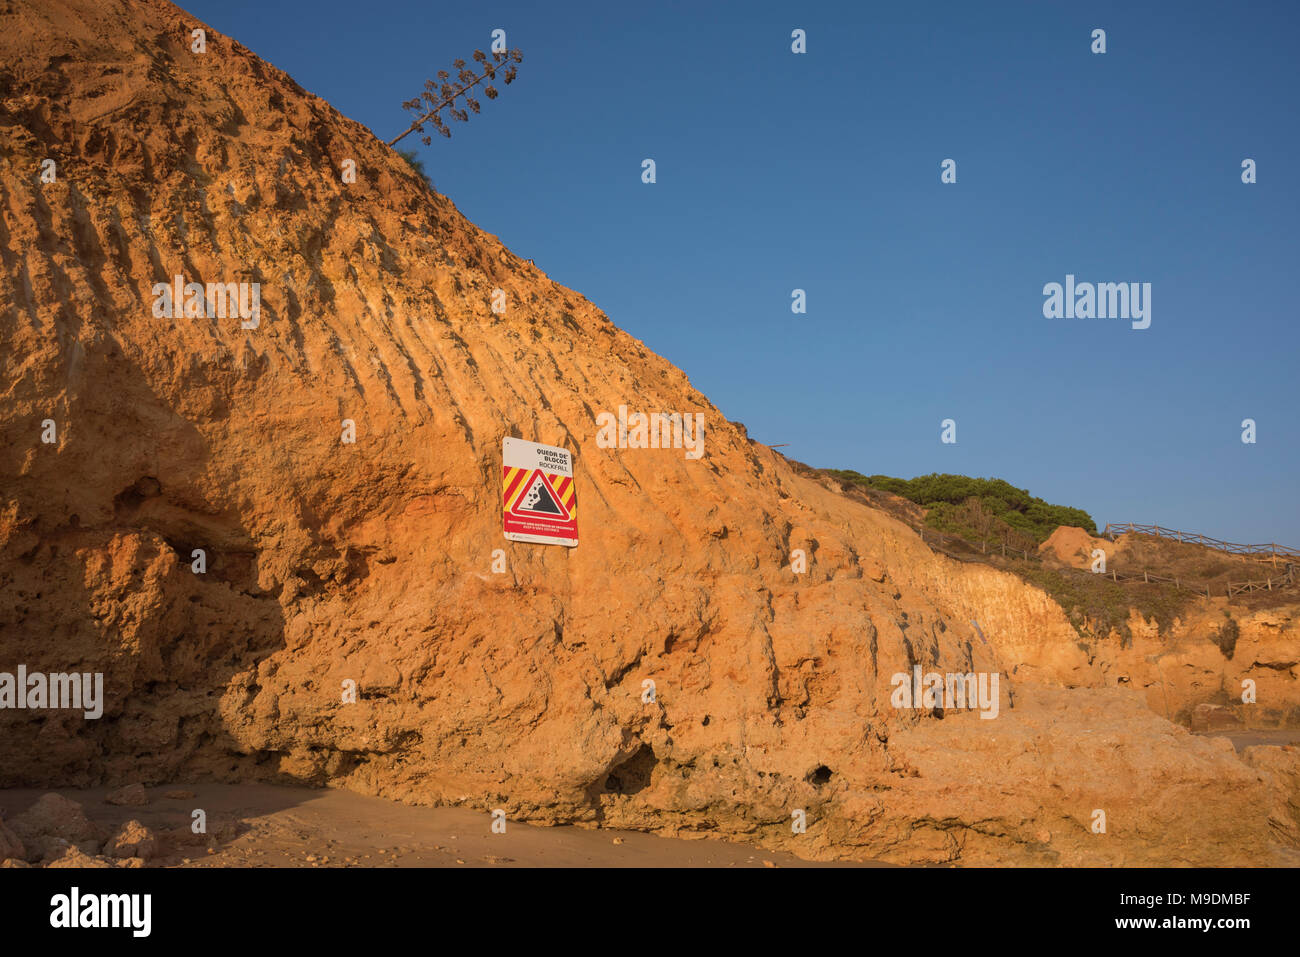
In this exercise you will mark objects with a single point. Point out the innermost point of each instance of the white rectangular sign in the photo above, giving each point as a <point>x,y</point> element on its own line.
<point>539,503</point>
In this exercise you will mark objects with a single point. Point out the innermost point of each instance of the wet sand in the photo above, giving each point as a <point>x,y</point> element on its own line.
<point>260,825</point>
<point>1245,739</point>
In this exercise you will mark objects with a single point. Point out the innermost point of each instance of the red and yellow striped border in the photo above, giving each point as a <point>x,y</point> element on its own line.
<point>512,481</point>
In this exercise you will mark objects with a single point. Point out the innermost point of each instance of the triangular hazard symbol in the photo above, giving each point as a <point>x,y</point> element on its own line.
<point>540,501</point>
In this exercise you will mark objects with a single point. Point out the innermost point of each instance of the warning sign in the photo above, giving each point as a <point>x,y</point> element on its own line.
<point>539,503</point>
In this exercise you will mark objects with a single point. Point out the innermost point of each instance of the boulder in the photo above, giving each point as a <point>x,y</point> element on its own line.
<point>133,795</point>
<point>52,822</point>
<point>133,840</point>
<point>1214,717</point>
<point>10,844</point>
<point>75,857</point>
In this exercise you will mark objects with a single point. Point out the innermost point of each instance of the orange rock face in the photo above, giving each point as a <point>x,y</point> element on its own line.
<point>515,679</point>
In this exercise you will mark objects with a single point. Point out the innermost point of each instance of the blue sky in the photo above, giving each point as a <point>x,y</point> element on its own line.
<point>821,171</point>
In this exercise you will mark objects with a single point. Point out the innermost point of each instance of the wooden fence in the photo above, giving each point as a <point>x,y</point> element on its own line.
<point>988,547</point>
<point>1230,588</point>
<point>945,540</point>
<point>1269,552</point>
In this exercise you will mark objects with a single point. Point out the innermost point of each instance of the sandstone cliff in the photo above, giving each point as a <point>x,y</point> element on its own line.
<point>372,561</point>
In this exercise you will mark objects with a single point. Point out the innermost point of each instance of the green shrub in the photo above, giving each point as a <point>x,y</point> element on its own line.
<point>948,497</point>
<point>417,165</point>
<point>1226,637</point>
<point>1095,605</point>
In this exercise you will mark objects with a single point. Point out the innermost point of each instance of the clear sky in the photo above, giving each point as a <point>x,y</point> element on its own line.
<point>821,171</point>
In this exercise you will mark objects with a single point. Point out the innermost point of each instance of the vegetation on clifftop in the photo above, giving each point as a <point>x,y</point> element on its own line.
<point>977,508</point>
<point>417,165</point>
